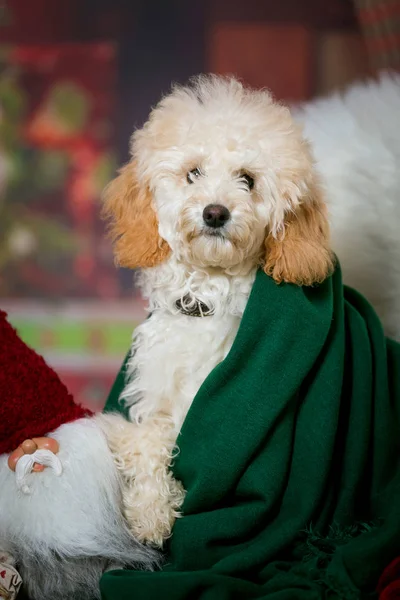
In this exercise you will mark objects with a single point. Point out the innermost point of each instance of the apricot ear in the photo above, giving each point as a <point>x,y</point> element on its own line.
<point>133,223</point>
<point>301,253</point>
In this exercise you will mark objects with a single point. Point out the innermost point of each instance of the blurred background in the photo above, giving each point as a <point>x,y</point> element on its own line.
<point>76,76</point>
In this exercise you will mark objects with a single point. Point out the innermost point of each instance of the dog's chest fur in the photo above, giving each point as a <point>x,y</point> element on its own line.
<point>173,353</point>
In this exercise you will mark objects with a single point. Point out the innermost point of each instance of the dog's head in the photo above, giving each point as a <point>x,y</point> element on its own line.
<point>221,175</point>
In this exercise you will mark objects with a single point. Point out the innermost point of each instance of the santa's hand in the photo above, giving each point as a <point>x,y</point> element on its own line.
<point>30,447</point>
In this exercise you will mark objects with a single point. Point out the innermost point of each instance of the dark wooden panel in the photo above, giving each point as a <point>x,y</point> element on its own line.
<point>314,13</point>
<point>49,21</point>
<point>263,55</point>
<point>106,19</point>
<point>168,45</point>
<point>37,21</point>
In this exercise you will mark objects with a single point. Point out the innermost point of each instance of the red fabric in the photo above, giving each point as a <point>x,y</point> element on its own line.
<point>33,400</point>
<point>389,583</point>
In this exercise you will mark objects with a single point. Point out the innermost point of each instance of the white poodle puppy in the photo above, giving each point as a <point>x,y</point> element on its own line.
<point>221,182</point>
<point>356,141</point>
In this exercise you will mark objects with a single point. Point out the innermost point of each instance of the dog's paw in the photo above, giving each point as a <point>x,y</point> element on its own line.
<point>152,507</point>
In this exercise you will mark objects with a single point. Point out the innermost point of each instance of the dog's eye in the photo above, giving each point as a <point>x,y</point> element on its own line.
<point>193,175</point>
<point>247,180</point>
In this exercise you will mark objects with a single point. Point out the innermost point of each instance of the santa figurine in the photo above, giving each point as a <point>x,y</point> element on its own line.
<point>61,524</point>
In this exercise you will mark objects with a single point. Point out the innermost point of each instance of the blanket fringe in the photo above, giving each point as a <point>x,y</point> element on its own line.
<point>316,550</point>
<point>323,547</point>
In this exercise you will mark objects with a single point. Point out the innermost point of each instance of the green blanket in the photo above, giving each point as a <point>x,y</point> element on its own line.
<point>290,457</point>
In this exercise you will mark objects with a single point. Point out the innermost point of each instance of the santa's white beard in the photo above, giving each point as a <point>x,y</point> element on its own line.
<point>69,529</point>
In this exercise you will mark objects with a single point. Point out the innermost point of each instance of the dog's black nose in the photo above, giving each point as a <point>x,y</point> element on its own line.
<point>216,215</point>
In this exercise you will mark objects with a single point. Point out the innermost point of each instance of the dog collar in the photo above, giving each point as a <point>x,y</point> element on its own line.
<point>196,309</point>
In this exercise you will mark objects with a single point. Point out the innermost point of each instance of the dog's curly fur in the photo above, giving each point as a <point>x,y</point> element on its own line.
<point>203,144</point>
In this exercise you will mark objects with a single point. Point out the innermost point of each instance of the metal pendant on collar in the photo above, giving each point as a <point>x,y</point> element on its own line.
<point>192,307</point>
